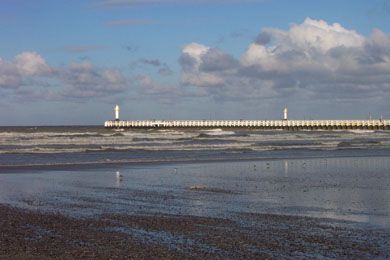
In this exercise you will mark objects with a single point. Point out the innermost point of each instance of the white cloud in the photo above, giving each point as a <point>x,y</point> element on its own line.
<point>321,36</point>
<point>309,59</point>
<point>305,44</point>
<point>31,63</point>
<point>195,50</point>
<point>191,60</point>
<point>23,67</point>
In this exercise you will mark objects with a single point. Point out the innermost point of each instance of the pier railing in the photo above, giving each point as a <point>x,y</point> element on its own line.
<point>260,124</point>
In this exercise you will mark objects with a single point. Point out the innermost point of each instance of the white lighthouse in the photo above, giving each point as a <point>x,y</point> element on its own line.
<point>285,113</point>
<point>116,109</point>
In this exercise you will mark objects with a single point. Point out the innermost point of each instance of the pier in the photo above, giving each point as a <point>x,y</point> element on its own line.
<point>284,124</point>
<point>257,124</point>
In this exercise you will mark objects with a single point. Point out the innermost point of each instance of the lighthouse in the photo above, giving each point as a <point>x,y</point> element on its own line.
<point>116,109</point>
<point>285,113</point>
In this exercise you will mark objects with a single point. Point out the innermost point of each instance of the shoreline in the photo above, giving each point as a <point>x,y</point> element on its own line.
<point>141,162</point>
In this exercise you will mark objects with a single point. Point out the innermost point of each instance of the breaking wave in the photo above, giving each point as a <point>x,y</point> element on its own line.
<point>66,143</point>
<point>216,132</point>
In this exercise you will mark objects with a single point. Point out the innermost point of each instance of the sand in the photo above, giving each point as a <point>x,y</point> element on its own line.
<point>36,235</point>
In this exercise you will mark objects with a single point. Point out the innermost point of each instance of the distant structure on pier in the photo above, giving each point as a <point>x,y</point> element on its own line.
<point>116,109</point>
<point>284,124</point>
<point>285,113</point>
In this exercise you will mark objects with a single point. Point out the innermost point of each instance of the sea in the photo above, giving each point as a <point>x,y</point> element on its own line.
<point>57,146</point>
<point>89,170</point>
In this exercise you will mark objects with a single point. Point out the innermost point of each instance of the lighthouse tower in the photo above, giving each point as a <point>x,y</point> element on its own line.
<point>285,113</point>
<point>116,109</point>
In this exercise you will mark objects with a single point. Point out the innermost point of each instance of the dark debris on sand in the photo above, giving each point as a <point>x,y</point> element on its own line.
<point>34,235</point>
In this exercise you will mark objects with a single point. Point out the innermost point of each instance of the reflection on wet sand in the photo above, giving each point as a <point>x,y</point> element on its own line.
<point>118,178</point>
<point>356,189</point>
<point>285,168</point>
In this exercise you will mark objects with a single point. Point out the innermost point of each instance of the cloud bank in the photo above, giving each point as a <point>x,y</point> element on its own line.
<point>313,59</point>
<point>15,73</point>
<point>85,80</point>
<point>29,76</point>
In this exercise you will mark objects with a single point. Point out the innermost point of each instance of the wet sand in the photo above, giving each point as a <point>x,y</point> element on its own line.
<point>303,208</point>
<point>28,234</point>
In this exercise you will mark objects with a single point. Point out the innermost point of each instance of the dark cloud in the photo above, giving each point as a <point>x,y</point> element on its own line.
<point>187,62</point>
<point>216,60</point>
<point>165,70</point>
<point>162,68</point>
<point>152,62</point>
<point>83,80</point>
<point>263,38</point>
<point>131,48</point>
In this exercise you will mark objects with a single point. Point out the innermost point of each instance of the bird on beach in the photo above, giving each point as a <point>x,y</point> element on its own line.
<point>303,165</point>
<point>268,165</point>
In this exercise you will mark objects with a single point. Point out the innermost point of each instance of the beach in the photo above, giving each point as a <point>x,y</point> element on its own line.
<point>30,234</point>
<point>88,192</point>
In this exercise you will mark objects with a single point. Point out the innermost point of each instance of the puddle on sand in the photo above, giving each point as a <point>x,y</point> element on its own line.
<point>356,189</point>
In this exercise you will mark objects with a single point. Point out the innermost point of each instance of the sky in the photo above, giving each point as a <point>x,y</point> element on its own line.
<point>70,62</point>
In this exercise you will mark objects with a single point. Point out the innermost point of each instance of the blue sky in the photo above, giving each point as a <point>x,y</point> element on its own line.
<point>70,62</point>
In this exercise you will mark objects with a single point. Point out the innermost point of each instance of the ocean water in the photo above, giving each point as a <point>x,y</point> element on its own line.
<point>70,146</point>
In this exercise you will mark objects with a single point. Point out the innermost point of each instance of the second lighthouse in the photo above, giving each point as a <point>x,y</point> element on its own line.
<point>116,109</point>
